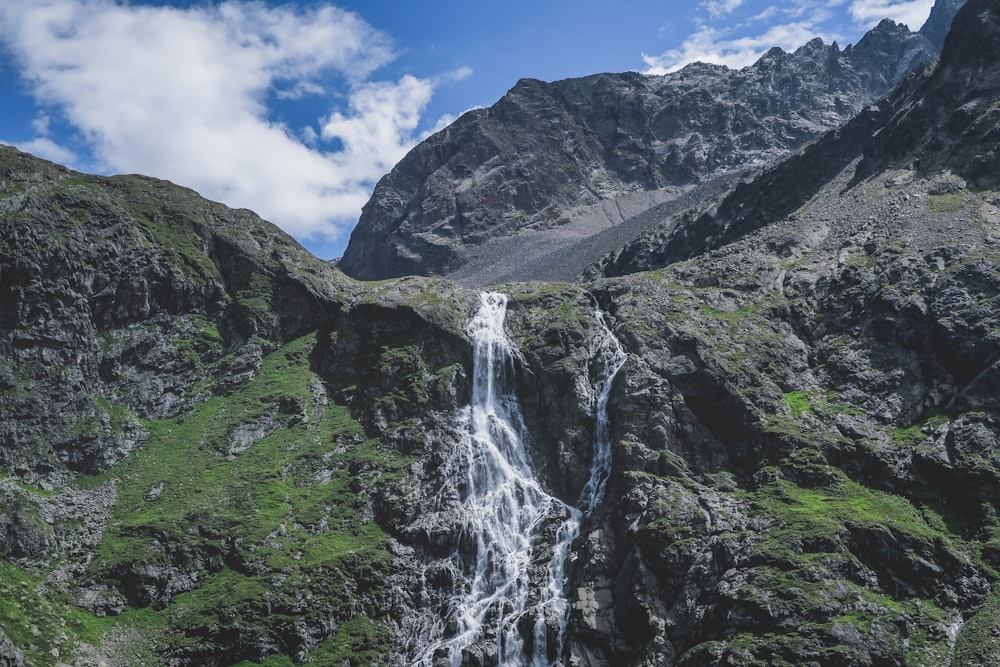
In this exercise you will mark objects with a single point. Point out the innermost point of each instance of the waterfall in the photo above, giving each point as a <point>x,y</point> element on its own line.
<point>609,359</point>
<point>504,510</point>
<point>503,507</point>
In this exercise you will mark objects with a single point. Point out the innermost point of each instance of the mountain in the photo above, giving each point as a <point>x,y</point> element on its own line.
<point>779,446</point>
<point>938,123</point>
<point>549,176</point>
<point>936,28</point>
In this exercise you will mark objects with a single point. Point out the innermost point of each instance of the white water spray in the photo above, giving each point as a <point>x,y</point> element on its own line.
<point>504,506</point>
<point>609,359</point>
<point>504,510</point>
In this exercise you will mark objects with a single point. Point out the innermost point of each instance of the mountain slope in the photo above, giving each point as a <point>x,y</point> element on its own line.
<point>84,257</point>
<point>220,451</point>
<point>148,340</point>
<point>573,158</point>
<point>941,120</point>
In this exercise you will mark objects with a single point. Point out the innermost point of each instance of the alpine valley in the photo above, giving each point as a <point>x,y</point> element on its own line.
<point>696,370</point>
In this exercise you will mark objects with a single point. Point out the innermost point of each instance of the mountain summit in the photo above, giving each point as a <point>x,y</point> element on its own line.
<point>536,184</point>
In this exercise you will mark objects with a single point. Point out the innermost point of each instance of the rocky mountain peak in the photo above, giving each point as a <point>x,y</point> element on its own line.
<point>949,120</point>
<point>937,121</point>
<point>936,28</point>
<point>552,174</point>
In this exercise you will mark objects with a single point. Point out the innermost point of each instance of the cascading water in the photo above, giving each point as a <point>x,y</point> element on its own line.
<point>504,509</point>
<point>503,506</point>
<point>609,359</point>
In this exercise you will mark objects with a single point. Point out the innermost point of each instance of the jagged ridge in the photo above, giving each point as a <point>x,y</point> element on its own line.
<point>555,155</point>
<point>941,119</point>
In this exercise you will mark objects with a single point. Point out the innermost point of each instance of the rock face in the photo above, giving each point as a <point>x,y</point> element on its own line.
<point>130,309</point>
<point>939,22</point>
<point>573,158</point>
<point>83,261</point>
<point>937,122</point>
<point>218,450</point>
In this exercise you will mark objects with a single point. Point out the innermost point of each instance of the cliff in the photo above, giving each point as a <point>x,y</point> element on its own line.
<point>219,450</point>
<point>553,168</point>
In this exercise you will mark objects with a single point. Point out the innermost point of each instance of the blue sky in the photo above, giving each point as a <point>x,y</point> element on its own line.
<point>295,109</point>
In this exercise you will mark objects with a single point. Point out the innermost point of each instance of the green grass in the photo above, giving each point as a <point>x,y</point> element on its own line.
<point>824,511</point>
<point>83,181</point>
<point>40,621</point>
<point>165,221</point>
<point>358,641</point>
<point>916,432</point>
<point>34,490</point>
<point>730,315</point>
<point>249,494</point>
<point>292,507</point>
<point>210,331</point>
<point>798,402</point>
<point>952,202</point>
<point>117,414</point>
<point>860,261</point>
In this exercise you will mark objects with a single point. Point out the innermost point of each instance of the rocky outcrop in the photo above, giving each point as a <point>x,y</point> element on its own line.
<point>10,654</point>
<point>572,158</point>
<point>127,303</point>
<point>949,122</point>
<point>808,382</point>
<point>129,291</point>
<point>937,122</point>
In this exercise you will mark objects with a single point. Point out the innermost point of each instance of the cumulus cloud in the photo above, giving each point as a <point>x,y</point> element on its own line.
<point>182,94</point>
<point>912,13</point>
<point>721,47</point>
<point>379,127</point>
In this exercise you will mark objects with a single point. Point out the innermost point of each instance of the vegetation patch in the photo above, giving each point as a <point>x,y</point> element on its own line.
<point>40,621</point>
<point>798,402</point>
<point>913,434</point>
<point>825,510</point>
<point>289,513</point>
<point>951,202</point>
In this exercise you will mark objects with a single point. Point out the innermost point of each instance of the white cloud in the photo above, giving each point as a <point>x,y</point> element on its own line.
<point>379,128</point>
<point>181,94</point>
<point>460,74</point>
<point>41,124</point>
<point>720,8</point>
<point>720,47</point>
<point>912,13</point>
<point>766,15</point>
<point>46,148</point>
